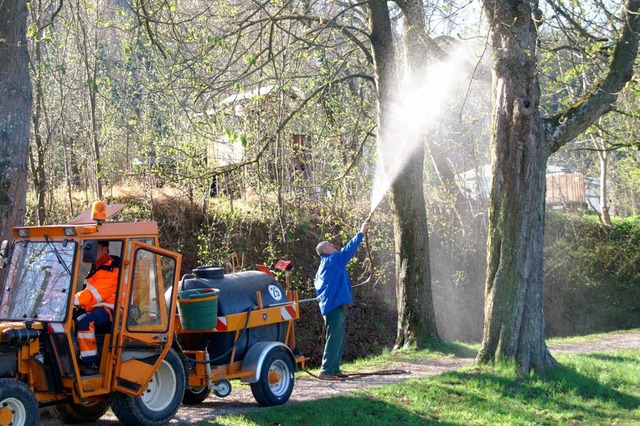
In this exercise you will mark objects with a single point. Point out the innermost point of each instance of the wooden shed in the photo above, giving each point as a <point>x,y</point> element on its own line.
<point>565,188</point>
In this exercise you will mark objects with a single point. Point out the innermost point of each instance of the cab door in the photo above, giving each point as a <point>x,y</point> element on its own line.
<point>148,306</point>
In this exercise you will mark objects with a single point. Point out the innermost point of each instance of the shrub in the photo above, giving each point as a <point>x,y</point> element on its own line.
<point>592,276</point>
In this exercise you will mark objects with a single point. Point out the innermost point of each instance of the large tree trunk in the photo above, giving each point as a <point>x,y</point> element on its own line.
<point>521,144</point>
<point>15,113</point>
<point>514,315</point>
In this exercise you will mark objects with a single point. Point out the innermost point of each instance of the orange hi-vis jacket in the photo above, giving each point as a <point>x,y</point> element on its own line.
<point>102,281</point>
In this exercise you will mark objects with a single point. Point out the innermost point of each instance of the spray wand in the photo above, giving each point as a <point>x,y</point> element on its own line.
<point>366,243</point>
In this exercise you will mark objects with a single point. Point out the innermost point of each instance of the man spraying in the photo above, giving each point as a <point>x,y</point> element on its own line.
<point>333,288</point>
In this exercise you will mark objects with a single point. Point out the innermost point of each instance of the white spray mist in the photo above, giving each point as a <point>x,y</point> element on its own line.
<point>416,110</point>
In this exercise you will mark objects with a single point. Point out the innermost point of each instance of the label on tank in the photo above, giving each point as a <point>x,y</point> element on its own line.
<point>275,292</point>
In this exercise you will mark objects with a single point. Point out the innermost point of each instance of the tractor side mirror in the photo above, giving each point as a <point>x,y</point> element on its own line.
<point>4,253</point>
<point>89,251</point>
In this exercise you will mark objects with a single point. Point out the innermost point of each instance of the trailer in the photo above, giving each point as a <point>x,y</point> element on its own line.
<point>173,338</point>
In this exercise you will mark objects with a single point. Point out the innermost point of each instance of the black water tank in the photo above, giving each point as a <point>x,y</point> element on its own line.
<point>237,294</point>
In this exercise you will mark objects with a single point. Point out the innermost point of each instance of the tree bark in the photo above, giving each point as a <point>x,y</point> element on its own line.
<point>521,144</point>
<point>514,315</point>
<point>15,113</point>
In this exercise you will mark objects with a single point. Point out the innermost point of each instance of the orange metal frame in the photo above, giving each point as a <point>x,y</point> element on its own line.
<point>262,316</point>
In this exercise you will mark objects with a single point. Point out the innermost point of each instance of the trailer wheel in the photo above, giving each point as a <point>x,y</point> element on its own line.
<point>18,404</point>
<point>195,395</point>
<point>159,401</point>
<point>77,413</point>
<point>275,384</point>
<point>222,388</point>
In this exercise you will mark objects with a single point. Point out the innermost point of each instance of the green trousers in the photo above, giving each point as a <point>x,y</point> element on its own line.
<point>334,346</point>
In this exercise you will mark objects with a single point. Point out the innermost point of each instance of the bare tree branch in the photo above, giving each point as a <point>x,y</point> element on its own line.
<point>563,127</point>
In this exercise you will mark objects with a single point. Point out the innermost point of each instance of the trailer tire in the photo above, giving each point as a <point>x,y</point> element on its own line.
<point>195,395</point>
<point>18,397</point>
<point>77,413</point>
<point>275,384</point>
<point>159,401</point>
<point>222,388</point>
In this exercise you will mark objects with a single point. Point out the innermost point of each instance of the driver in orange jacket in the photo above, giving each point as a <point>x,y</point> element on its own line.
<point>97,299</point>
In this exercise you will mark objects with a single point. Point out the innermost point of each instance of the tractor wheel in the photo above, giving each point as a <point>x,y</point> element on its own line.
<point>18,404</point>
<point>77,413</point>
<point>159,401</point>
<point>196,395</point>
<point>275,384</point>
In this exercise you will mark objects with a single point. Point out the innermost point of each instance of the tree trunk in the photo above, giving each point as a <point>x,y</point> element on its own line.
<point>521,143</point>
<point>417,321</point>
<point>38,174</point>
<point>15,112</point>
<point>603,155</point>
<point>416,317</point>
<point>514,315</point>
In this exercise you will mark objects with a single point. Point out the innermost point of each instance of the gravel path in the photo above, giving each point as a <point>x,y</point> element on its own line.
<point>308,388</point>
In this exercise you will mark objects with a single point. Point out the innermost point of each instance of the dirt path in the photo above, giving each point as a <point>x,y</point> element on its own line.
<point>307,388</point>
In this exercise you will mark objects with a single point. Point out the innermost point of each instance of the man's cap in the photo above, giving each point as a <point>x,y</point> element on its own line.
<point>321,246</point>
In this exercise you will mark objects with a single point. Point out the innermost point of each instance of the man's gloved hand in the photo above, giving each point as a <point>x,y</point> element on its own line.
<point>365,227</point>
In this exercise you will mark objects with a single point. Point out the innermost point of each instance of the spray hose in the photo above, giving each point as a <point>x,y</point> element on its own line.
<point>356,375</point>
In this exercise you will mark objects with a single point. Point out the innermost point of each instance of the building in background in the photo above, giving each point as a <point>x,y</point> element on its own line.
<point>246,121</point>
<point>566,189</point>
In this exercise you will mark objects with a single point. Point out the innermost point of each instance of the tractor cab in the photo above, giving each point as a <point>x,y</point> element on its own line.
<point>45,266</point>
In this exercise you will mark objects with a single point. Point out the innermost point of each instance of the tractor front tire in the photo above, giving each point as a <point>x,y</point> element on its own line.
<point>18,404</point>
<point>77,413</point>
<point>159,401</point>
<point>275,384</point>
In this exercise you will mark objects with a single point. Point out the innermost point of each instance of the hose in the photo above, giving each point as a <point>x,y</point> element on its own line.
<point>371,275</point>
<point>357,375</point>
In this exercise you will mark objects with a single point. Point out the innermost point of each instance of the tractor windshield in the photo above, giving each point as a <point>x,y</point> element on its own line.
<point>38,283</point>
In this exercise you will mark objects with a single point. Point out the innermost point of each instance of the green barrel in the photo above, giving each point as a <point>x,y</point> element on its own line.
<point>198,308</point>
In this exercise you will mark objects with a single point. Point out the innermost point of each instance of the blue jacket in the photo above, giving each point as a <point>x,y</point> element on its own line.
<point>332,282</point>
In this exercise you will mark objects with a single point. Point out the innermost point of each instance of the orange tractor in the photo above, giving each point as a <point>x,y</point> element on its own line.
<point>172,339</point>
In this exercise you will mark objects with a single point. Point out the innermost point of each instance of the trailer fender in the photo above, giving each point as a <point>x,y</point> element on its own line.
<point>255,356</point>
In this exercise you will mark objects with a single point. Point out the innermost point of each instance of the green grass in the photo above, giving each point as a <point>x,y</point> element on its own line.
<point>601,388</point>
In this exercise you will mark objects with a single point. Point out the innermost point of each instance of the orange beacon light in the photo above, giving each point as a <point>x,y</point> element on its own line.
<point>99,211</point>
